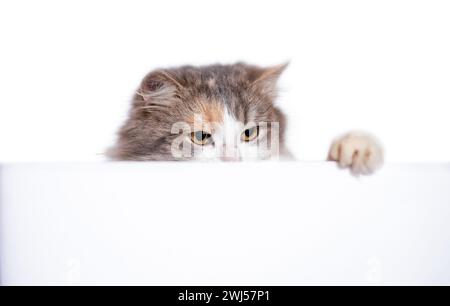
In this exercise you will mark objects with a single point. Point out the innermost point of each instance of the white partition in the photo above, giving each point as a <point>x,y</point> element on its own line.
<point>223,224</point>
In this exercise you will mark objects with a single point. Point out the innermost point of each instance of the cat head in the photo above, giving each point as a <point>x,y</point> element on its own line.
<point>219,112</point>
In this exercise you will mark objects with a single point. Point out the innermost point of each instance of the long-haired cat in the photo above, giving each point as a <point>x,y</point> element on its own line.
<point>221,113</point>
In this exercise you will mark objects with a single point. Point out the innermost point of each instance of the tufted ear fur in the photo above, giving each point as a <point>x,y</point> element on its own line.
<point>158,88</point>
<point>266,79</point>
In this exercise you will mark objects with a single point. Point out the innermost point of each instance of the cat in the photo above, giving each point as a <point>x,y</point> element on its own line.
<point>221,113</point>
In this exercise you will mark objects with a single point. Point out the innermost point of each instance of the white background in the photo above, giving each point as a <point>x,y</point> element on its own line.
<point>128,223</point>
<point>69,69</point>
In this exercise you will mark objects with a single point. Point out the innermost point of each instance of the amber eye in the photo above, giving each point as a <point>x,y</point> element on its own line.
<point>250,134</point>
<point>200,137</point>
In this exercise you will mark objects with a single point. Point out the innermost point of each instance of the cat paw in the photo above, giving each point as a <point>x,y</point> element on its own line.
<point>358,151</point>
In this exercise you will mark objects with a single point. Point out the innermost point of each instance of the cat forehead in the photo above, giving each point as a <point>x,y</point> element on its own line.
<point>229,83</point>
<point>211,112</point>
<point>223,88</point>
<point>225,114</point>
<point>212,98</point>
<point>216,117</point>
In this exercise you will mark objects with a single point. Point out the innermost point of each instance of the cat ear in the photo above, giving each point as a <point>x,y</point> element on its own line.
<point>159,87</point>
<point>266,79</point>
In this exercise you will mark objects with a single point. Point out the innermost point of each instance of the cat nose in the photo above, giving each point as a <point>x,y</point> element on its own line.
<point>230,154</point>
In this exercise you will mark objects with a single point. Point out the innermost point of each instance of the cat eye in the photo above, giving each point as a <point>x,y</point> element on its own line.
<point>200,137</point>
<point>250,134</point>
